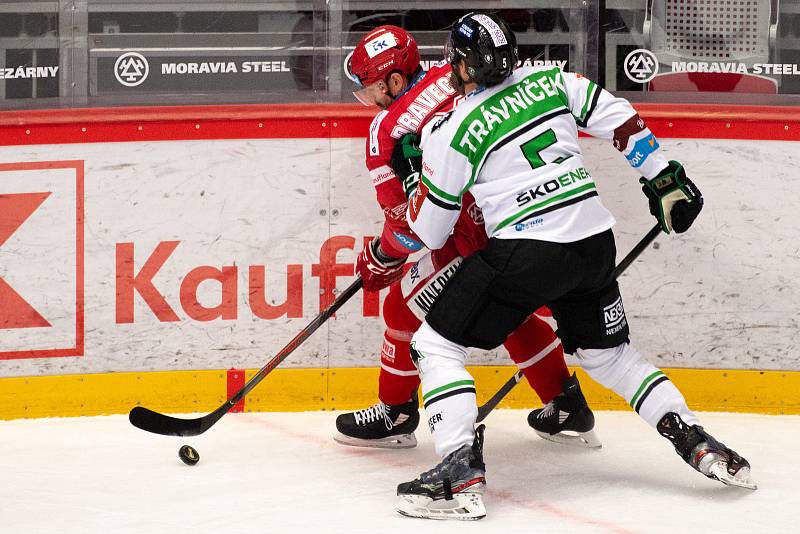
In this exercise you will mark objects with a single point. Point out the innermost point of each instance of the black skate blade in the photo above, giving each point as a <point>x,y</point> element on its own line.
<point>158,423</point>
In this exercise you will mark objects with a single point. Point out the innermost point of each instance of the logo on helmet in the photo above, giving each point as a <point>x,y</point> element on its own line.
<point>379,44</point>
<point>494,29</point>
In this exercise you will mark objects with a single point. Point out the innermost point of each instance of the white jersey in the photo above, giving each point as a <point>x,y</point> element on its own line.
<point>515,147</point>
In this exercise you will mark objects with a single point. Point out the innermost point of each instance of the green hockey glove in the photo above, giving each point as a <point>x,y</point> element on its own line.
<point>674,199</point>
<point>407,162</point>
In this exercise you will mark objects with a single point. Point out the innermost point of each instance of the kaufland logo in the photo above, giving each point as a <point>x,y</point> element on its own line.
<point>142,285</point>
<point>41,259</point>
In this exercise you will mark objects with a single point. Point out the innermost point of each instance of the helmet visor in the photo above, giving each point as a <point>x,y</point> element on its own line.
<point>369,95</point>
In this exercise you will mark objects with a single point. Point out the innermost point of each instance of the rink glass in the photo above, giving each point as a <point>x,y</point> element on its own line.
<point>65,53</point>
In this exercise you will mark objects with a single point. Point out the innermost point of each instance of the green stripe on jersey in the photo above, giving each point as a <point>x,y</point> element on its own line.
<point>451,385</point>
<point>646,382</point>
<point>507,110</point>
<point>589,94</point>
<point>563,196</point>
<point>438,192</point>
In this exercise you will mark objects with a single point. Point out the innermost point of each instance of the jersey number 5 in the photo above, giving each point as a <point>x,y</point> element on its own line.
<point>532,149</point>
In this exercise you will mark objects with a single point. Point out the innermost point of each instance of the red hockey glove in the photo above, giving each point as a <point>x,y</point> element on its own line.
<point>376,269</point>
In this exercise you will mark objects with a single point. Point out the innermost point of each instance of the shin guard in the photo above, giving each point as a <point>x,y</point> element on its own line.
<point>448,390</point>
<point>398,377</point>
<point>537,351</point>
<point>648,390</point>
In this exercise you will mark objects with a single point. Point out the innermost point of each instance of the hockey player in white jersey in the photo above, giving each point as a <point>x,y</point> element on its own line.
<point>513,143</point>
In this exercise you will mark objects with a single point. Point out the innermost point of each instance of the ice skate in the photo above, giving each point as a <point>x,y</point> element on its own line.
<point>451,490</point>
<point>381,426</point>
<point>567,418</point>
<point>706,454</point>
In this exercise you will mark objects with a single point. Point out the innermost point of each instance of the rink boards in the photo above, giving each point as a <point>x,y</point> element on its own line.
<point>144,251</point>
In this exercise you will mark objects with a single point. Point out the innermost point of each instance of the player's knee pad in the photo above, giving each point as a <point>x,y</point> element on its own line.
<point>610,366</point>
<point>398,319</point>
<point>474,310</point>
<point>429,350</point>
<point>595,321</point>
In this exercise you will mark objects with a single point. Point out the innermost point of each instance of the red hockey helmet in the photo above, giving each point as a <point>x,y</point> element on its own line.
<point>384,50</point>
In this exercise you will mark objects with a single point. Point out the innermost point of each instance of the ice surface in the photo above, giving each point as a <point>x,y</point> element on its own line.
<point>283,473</point>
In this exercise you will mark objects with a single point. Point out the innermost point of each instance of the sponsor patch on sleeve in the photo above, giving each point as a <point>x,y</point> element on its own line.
<point>627,129</point>
<point>416,200</point>
<point>382,174</point>
<point>408,243</point>
<point>642,148</point>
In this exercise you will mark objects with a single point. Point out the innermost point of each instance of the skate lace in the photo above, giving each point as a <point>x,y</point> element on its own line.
<point>373,413</point>
<point>547,410</point>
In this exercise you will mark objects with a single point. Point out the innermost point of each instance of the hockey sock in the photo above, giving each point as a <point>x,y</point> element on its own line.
<point>648,390</point>
<point>448,390</point>
<point>399,377</point>
<point>537,351</point>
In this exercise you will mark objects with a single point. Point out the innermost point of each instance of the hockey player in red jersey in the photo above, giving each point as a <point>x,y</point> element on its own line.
<point>385,65</point>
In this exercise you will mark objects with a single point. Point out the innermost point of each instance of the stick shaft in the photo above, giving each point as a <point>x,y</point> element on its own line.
<point>159,423</point>
<point>298,340</point>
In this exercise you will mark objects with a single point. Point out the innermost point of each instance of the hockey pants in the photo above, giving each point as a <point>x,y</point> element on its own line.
<point>534,347</point>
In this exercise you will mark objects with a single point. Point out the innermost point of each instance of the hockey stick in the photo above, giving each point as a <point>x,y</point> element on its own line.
<point>491,404</point>
<point>159,423</point>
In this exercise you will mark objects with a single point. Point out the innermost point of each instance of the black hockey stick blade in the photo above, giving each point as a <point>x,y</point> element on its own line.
<point>165,425</point>
<point>491,404</point>
<point>159,423</point>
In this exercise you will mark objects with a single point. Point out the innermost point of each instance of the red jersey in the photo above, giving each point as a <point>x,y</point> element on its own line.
<point>430,96</point>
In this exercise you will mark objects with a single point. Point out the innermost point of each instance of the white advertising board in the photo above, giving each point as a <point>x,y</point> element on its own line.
<point>214,254</point>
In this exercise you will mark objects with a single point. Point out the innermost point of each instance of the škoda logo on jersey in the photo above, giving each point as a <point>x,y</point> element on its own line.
<point>551,186</point>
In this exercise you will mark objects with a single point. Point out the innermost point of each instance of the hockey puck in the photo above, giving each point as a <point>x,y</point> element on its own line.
<point>188,455</point>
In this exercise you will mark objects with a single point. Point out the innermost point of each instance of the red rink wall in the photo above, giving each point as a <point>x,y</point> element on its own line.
<point>693,121</point>
<point>190,238</point>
